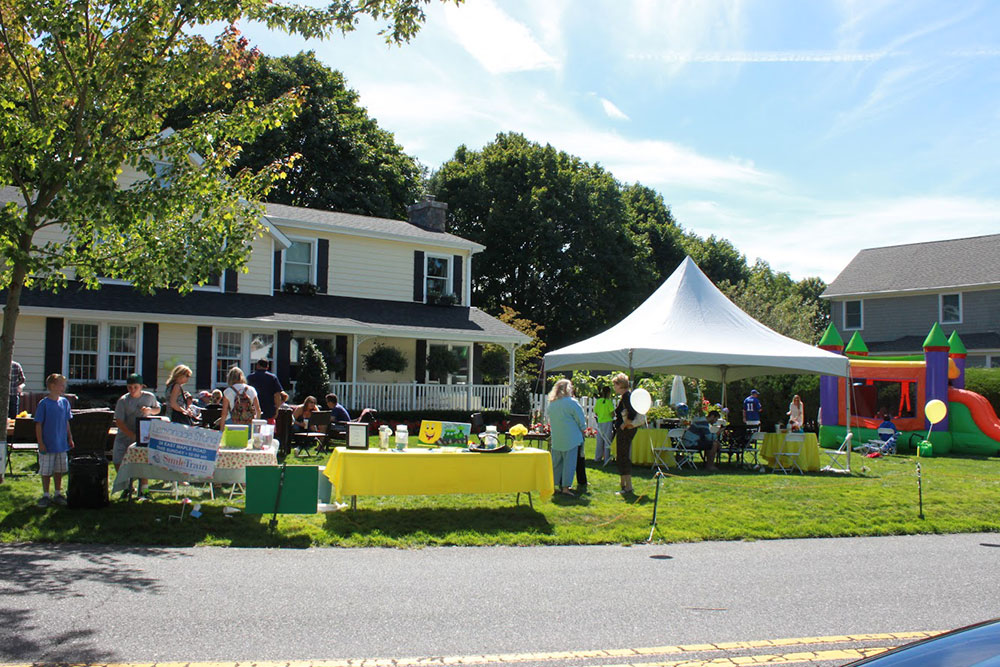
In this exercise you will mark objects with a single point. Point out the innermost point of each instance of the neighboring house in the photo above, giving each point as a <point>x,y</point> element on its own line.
<point>377,281</point>
<point>893,295</point>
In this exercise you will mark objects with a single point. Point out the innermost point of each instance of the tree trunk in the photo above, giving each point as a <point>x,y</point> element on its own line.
<point>10,314</point>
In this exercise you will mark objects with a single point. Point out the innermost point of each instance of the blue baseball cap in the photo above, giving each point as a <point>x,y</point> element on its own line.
<point>753,391</point>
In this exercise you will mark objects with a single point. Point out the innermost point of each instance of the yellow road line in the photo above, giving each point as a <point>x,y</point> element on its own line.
<point>578,655</point>
<point>774,659</point>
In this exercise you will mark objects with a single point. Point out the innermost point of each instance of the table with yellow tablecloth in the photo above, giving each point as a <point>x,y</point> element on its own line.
<point>415,472</point>
<point>642,446</point>
<point>808,458</point>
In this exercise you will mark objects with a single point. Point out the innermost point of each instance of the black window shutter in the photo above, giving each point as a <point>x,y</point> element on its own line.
<point>283,358</point>
<point>53,346</point>
<point>204,371</point>
<point>418,276</point>
<point>421,364</point>
<point>232,281</point>
<point>457,278</point>
<point>150,352</point>
<point>342,358</point>
<point>323,266</point>
<point>277,270</point>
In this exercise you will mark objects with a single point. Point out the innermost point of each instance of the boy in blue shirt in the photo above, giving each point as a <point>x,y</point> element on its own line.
<point>751,410</point>
<point>54,437</point>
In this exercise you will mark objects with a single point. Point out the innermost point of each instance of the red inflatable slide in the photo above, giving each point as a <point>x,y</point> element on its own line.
<point>982,412</point>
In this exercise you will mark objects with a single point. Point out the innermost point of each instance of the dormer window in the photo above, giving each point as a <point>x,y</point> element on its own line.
<point>300,260</point>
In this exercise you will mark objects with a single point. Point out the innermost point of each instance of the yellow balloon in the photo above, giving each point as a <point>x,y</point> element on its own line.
<point>935,411</point>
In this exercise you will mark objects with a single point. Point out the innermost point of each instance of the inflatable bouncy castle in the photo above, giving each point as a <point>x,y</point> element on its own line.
<point>901,386</point>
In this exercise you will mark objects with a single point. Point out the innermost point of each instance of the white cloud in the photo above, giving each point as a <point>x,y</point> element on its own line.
<point>613,111</point>
<point>498,42</point>
<point>740,57</point>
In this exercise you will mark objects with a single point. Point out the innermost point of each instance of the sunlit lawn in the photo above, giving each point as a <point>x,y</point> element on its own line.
<point>960,495</point>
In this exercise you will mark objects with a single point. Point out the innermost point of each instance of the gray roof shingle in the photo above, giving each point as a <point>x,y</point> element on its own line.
<point>333,314</point>
<point>966,262</point>
<point>368,225</point>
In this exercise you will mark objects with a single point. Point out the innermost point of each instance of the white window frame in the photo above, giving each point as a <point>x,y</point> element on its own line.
<point>861,306</point>
<point>221,287</point>
<point>246,336</point>
<point>449,280</point>
<point>107,356</point>
<point>103,346</point>
<point>313,259</point>
<point>961,304</point>
<point>451,345</point>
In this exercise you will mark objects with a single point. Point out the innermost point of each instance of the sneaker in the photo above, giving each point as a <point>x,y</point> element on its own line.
<point>60,500</point>
<point>44,501</point>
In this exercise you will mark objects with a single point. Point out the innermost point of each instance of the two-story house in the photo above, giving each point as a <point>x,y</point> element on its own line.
<point>893,295</point>
<point>376,282</point>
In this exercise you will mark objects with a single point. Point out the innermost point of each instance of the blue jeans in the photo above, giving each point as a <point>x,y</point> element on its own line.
<point>15,403</point>
<point>564,466</point>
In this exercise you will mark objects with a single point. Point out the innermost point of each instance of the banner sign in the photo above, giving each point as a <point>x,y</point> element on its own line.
<point>183,449</point>
<point>448,434</point>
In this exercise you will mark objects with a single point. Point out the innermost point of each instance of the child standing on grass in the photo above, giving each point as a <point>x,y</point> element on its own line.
<point>55,438</point>
<point>604,410</point>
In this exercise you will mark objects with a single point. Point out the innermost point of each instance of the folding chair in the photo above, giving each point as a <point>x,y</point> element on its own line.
<point>791,448</point>
<point>660,448</point>
<point>835,456</point>
<point>683,456</point>
<point>754,439</point>
<point>22,440</point>
<point>881,443</point>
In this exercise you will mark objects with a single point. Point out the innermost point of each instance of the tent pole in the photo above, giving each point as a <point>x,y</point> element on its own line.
<point>723,369</point>
<point>850,390</point>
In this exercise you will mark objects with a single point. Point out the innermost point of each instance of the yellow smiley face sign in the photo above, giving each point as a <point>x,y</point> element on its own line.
<point>430,432</point>
<point>448,434</point>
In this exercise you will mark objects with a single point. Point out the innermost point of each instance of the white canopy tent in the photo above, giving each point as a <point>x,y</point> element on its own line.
<point>688,327</point>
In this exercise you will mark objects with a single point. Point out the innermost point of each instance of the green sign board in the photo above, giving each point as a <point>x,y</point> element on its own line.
<point>298,489</point>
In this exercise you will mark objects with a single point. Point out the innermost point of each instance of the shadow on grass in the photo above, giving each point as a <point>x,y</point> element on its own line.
<point>145,524</point>
<point>441,523</point>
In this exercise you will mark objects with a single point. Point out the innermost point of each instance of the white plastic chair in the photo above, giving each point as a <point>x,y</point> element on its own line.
<point>836,455</point>
<point>786,449</point>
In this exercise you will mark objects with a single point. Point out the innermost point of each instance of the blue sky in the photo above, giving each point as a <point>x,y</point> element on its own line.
<point>801,131</point>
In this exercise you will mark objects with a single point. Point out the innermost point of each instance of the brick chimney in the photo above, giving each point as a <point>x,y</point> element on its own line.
<point>429,214</point>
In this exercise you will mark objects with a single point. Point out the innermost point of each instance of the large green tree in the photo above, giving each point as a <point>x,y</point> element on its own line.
<point>84,89</point>
<point>660,244</point>
<point>778,302</point>
<point>555,229</point>
<point>345,161</point>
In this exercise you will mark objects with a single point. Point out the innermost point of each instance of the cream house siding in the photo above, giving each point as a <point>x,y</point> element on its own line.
<point>372,268</point>
<point>29,350</point>
<point>178,344</point>
<point>259,279</point>
<point>408,346</point>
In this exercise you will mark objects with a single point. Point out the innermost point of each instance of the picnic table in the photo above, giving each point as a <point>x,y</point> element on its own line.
<point>230,467</point>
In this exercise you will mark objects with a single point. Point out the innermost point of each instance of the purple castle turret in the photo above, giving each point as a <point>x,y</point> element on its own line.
<point>829,396</point>
<point>936,350</point>
<point>957,353</point>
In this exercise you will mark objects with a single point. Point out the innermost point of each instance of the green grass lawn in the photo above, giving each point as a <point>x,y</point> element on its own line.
<point>960,495</point>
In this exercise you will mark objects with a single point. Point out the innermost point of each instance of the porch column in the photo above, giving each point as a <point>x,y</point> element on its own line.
<point>357,340</point>
<point>510,370</point>
<point>469,376</point>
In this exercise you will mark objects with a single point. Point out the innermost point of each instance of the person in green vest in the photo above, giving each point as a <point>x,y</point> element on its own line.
<point>604,410</point>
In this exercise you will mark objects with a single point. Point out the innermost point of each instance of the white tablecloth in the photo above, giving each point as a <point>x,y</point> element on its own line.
<point>230,467</point>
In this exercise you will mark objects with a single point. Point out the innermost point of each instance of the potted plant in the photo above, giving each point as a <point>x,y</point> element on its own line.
<point>445,299</point>
<point>385,358</point>
<point>307,289</point>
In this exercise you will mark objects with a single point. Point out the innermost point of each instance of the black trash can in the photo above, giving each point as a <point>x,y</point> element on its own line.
<point>88,482</point>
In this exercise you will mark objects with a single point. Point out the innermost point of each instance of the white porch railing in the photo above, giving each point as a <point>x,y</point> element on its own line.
<point>538,402</point>
<point>403,397</point>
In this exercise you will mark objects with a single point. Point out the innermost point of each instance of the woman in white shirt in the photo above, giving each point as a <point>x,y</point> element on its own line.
<point>239,400</point>
<point>796,414</point>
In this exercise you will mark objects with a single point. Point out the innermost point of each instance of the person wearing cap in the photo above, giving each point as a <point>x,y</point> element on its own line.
<point>135,403</point>
<point>751,411</point>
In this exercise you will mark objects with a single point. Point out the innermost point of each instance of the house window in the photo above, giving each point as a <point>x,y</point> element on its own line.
<point>261,347</point>
<point>228,353</point>
<point>83,351</point>
<point>299,263</point>
<point>459,354</point>
<point>853,318</point>
<point>122,350</point>
<point>438,277</point>
<point>951,309</point>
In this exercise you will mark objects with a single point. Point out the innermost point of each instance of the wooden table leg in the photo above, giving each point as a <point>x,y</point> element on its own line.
<point>354,502</point>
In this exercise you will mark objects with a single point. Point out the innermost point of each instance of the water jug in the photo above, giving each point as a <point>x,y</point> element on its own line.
<point>402,437</point>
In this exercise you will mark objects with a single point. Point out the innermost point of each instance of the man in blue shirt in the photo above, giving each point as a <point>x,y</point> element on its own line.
<point>338,413</point>
<point>268,388</point>
<point>751,410</point>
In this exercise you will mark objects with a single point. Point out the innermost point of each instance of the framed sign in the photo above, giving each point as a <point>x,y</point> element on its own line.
<point>357,435</point>
<point>142,428</point>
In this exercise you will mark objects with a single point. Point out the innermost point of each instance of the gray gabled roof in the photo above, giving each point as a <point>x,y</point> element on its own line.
<point>954,263</point>
<point>364,225</point>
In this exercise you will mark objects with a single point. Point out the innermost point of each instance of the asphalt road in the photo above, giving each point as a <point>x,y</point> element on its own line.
<point>84,604</point>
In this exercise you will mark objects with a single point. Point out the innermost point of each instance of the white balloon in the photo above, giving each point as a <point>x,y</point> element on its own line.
<point>641,401</point>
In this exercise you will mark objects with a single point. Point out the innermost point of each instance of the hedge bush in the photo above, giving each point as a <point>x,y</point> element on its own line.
<point>985,381</point>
